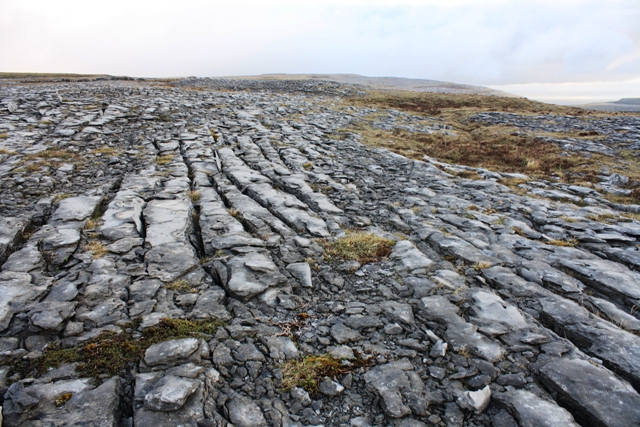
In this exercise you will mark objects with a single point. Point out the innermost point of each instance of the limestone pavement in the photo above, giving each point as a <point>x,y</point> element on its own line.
<point>138,201</point>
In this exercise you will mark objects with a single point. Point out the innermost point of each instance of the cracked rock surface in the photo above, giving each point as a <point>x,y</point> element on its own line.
<point>126,203</point>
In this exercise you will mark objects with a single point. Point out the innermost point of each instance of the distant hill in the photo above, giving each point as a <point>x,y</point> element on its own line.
<point>394,83</point>
<point>624,104</point>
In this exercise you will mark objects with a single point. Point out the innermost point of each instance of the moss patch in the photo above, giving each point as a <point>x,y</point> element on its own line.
<point>112,353</point>
<point>310,370</point>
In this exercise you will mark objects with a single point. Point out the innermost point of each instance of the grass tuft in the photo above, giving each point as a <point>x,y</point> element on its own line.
<point>163,160</point>
<point>358,246</point>
<point>180,285</point>
<point>91,224</point>
<point>307,165</point>
<point>194,195</point>
<point>98,249</point>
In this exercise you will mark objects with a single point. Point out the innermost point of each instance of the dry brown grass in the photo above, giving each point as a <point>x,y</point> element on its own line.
<point>564,243</point>
<point>631,198</point>
<point>468,174</point>
<point>358,246</point>
<point>603,217</point>
<point>436,104</point>
<point>519,231</point>
<point>163,160</point>
<point>108,151</point>
<point>629,216</point>
<point>493,149</point>
<point>498,148</point>
<point>91,224</point>
<point>4,135</point>
<point>481,265</point>
<point>60,154</point>
<point>181,285</point>
<point>194,195</point>
<point>97,248</point>
<point>308,371</point>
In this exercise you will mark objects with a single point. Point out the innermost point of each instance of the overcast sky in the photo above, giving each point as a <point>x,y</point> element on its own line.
<point>556,50</point>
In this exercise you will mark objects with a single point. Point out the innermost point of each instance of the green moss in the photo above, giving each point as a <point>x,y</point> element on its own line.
<point>112,353</point>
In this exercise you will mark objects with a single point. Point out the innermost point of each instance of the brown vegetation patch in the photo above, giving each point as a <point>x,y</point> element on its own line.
<point>494,147</point>
<point>111,353</point>
<point>163,160</point>
<point>60,154</point>
<point>358,246</point>
<point>98,249</point>
<point>310,370</point>
<point>437,103</point>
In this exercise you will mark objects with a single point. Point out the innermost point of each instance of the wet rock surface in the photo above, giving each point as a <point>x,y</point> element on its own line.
<point>124,203</point>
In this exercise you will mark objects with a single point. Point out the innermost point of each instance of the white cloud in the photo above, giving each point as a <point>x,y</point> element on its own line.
<point>467,41</point>
<point>575,93</point>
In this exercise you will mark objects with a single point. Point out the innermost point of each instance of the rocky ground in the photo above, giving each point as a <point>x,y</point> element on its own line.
<point>126,203</point>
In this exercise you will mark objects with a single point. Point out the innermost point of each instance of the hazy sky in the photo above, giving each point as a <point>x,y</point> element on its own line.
<point>558,50</point>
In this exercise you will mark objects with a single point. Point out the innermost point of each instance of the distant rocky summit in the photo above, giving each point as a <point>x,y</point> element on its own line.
<point>234,252</point>
<point>393,83</point>
<point>624,104</point>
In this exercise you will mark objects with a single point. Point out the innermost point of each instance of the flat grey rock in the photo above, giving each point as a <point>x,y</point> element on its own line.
<point>302,272</point>
<point>77,208</point>
<point>592,393</point>
<point>171,352</point>
<point>410,257</point>
<point>390,383</point>
<point>219,196</point>
<point>344,334</point>
<point>10,229</point>
<point>252,274</point>
<point>170,393</point>
<point>533,411</point>
<point>245,413</point>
